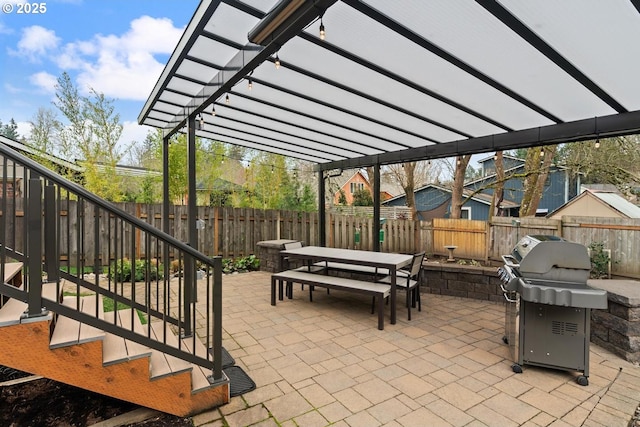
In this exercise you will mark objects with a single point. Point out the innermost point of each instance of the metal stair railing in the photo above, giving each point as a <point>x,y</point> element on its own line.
<point>66,234</point>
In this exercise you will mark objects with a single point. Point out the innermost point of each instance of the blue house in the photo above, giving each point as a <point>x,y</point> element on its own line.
<point>434,201</point>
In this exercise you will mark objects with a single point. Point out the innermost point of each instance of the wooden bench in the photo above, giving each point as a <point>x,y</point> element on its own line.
<point>377,290</point>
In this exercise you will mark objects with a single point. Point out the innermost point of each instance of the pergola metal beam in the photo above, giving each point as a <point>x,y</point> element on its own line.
<point>580,130</point>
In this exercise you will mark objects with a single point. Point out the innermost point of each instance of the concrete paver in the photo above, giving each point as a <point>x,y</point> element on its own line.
<point>325,363</point>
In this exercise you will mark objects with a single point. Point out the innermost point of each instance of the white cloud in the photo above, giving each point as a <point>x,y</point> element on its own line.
<point>24,129</point>
<point>123,66</point>
<point>4,29</point>
<point>36,42</point>
<point>132,132</point>
<point>45,81</point>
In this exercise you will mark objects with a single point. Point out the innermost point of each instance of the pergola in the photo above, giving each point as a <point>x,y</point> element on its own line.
<point>397,81</point>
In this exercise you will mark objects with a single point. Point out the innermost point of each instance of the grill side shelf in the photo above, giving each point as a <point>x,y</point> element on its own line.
<point>563,294</point>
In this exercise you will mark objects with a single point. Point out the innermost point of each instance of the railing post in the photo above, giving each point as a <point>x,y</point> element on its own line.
<point>34,250</point>
<point>187,295</point>
<point>51,258</point>
<point>217,318</point>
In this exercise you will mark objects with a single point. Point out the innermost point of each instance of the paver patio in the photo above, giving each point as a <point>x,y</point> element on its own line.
<point>325,363</point>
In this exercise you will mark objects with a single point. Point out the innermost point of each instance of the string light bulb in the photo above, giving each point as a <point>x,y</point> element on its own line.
<point>277,62</point>
<point>249,84</point>
<point>322,32</point>
<point>213,111</point>
<point>597,144</point>
<point>199,122</point>
<point>226,99</point>
<point>542,152</point>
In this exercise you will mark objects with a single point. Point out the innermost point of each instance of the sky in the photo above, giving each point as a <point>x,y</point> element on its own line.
<point>116,47</point>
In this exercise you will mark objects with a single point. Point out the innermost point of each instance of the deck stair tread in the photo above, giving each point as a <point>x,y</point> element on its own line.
<point>93,306</point>
<point>11,270</point>
<point>171,364</point>
<point>12,310</point>
<point>199,375</point>
<point>117,349</point>
<point>161,364</point>
<point>67,330</point>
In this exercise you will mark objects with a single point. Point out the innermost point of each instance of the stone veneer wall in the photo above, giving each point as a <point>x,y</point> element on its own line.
<point>461,281</point>
<point>618,327</point>
<point>269,253</point>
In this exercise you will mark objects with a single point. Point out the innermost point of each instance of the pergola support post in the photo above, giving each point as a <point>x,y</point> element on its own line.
<point>322,214</point>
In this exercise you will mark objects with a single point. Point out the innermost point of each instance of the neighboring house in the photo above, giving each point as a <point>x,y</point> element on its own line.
<point>349,184</point>
<point>433,201</point>
<point>606,204</point>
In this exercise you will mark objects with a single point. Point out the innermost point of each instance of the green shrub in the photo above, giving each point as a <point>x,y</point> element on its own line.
<point>599,261</point>
<point>240,265</point>
<point>123,270</point>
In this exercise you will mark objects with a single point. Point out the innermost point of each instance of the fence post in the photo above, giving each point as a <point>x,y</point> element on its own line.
<point>34,250</point>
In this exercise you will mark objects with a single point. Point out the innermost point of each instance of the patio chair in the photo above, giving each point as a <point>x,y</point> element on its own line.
<point>409,281</point>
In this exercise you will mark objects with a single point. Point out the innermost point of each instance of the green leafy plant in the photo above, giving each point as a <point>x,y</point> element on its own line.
<point>240,265</point>
<point>600,261</point>
<point>125,271</point>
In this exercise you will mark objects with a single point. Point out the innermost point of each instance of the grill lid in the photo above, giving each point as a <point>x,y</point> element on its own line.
<point>553,258</point>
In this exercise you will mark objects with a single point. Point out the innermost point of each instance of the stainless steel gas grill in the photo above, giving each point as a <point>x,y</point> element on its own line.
<point>548,310</point>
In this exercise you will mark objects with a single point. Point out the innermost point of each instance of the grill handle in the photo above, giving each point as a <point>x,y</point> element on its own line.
<point>510,261</point>
<point>505,294</point>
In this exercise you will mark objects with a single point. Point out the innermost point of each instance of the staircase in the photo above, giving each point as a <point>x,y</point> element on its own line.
<point>74,353</point>
<point>160,346</point>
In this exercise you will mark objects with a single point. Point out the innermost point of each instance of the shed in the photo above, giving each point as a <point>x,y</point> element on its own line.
<point>606,204</point>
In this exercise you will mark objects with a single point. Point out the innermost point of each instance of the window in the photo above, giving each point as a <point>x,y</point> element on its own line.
<point>355,186</point>
<point>465,213</point>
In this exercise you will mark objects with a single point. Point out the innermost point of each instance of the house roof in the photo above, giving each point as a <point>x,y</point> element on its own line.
<point>478,197</point>
<point>612,199</point>
<point>402,80</point>
<point>124,170</point>
<point>619,203</point>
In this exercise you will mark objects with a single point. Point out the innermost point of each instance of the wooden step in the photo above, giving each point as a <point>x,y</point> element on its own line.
<point>117,349</point>
<point>93,306</point>
<point>171,364</point>
<point>13,273</point>
<point>68,331</point>
<point>13,310</point>
<point>199,375</point>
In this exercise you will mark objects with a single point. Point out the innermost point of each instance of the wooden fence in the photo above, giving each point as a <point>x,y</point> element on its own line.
<point>234,232</point>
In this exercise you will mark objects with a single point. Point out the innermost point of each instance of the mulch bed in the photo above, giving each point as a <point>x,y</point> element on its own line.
<point>45,402</point>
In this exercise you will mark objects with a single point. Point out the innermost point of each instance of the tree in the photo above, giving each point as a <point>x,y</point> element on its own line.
<point>458,185</point>
<point>607,161</point>
<point>498,190</point>
<point>91,136</point>
<point>10,130</point>
<point>342,197</point>
<point>44,137</point>
<point>362,197</point>
<point>536,166</point>
<point>412,175</point>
